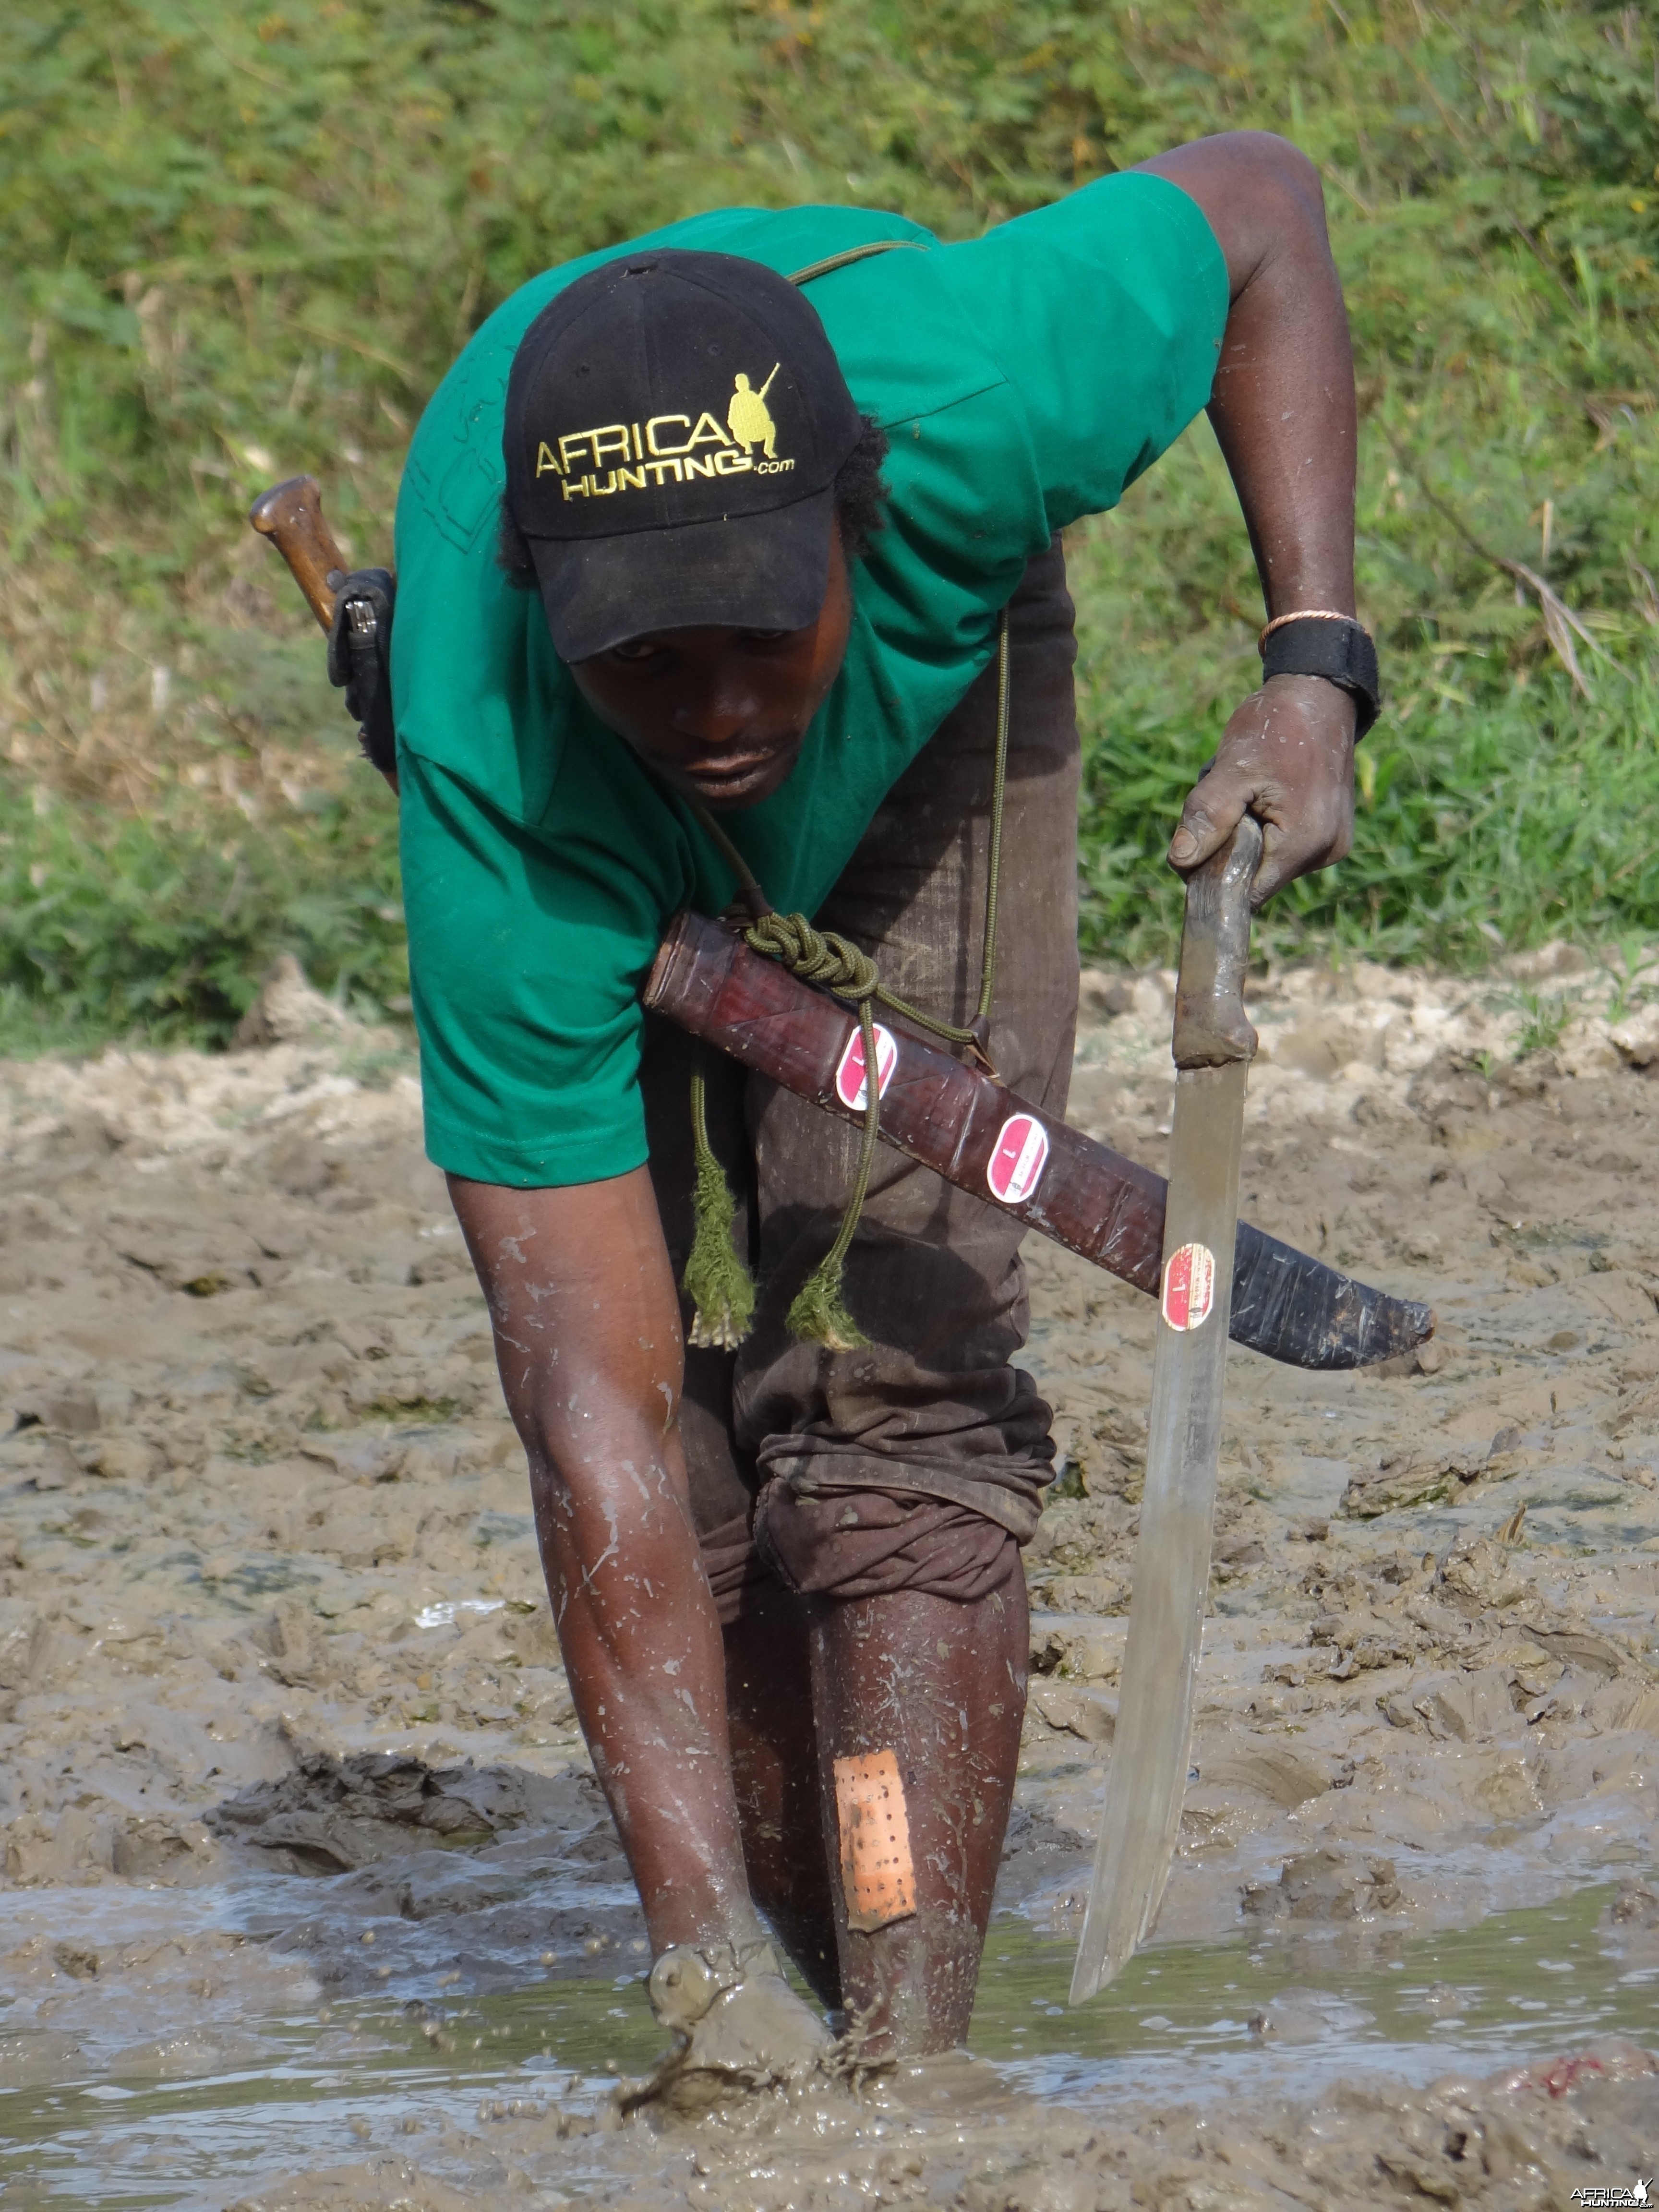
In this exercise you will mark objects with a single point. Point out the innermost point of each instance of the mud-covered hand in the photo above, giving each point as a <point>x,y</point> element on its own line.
<point>1287,757</point>
<point>739,2028</point>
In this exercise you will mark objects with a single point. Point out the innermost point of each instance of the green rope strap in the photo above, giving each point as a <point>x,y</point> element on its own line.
<point>853,253</point>
<point>716,1280</point>
<point>818,1314</point>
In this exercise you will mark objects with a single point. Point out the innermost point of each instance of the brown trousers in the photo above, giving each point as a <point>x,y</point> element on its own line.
<point>919,1463</point>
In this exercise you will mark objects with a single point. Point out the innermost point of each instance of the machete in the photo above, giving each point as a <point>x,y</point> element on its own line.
<point>1213,1046</point>
<point>290,515</point>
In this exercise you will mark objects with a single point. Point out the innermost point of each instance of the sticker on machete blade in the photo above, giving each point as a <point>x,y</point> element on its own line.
<point>1018,1158</point>
<point>1189,1286</point>
<point>849,1075</point>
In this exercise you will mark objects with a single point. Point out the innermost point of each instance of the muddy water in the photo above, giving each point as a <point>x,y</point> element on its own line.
<point>1224,2020</point>
<point>309,1897</point>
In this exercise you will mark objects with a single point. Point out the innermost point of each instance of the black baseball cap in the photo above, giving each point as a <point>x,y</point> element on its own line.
<point>674,424</point>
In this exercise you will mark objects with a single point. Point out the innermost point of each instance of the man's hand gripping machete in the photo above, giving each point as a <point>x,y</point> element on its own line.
<point>1214,1044</point>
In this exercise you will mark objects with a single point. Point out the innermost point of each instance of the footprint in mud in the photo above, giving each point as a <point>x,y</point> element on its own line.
<point>332,1815</point>
<point>490,1873</point>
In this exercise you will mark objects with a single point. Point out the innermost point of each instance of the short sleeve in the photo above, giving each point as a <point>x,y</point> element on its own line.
<point>1105,312</point>
<point>526,964</point>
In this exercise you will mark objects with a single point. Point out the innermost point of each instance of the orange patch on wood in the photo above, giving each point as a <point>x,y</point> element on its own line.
<point>878,1874</point>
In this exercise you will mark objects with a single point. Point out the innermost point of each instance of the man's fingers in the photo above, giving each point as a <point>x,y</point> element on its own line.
<point>1286,757</point>
<point>1278,866</point>
<point>1285,856</point>
<point>1205,824</point>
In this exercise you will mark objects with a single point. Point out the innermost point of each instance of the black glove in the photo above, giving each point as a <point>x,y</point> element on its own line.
<point>360,660</point>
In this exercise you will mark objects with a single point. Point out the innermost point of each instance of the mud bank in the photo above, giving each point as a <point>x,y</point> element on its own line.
<point>294,1813</point>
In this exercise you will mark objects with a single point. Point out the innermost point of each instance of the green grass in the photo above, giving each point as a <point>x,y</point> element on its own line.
<point>245,241</point>
<point>160,924</point>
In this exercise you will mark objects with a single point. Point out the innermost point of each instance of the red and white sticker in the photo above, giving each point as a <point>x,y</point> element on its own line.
<point>849,1076</point>
<point>1189,1286</point>
<point>1018,1158</point>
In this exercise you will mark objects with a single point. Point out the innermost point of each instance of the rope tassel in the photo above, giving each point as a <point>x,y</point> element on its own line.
<point>819,1314</point>
<point>721,1288</point>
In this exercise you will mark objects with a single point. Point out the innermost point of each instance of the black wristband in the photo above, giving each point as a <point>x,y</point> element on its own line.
<point>1341,651</point>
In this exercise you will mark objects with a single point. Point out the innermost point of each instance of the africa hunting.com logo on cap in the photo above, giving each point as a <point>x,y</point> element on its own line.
<point>663,391</point>
<point>669,448</point>
<point>675,423</point>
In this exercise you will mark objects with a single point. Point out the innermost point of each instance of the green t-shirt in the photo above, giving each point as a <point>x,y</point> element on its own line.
<point>1023,379</point>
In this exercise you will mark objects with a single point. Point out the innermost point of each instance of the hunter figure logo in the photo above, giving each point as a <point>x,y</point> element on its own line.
<point>749,419</point>
<point>669,449</point>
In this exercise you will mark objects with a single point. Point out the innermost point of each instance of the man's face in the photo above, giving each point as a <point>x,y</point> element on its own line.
<point>721,712</point>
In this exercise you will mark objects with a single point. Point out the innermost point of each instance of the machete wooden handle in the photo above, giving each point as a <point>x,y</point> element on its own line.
<point>291,515</point>
<point>1210,1026</point>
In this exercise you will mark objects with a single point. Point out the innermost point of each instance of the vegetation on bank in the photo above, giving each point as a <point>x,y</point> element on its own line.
<point>246,241</point>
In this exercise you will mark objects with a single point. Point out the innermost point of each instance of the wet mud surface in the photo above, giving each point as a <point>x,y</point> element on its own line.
<point>309,1897</point>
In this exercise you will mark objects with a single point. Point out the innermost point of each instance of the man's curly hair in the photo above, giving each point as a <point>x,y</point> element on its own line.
<point>860,509</point>
<point>860,493</point>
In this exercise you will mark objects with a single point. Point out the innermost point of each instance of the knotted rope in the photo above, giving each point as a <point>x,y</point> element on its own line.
<point>719,1286</point>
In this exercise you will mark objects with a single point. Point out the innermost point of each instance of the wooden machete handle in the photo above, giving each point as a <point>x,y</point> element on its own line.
<point>1210,1026</point>
<point>291,515</point>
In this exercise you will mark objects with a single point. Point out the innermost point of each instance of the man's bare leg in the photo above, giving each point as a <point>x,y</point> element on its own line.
<point>774,1767</point>
<point>942,1686</point>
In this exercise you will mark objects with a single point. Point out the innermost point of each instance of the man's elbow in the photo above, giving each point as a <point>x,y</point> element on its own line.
<point>595,1445</point>
<point>1279,162</point>
<point>1260,194</point>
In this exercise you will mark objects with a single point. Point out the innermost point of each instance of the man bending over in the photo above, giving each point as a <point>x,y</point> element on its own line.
<point>689,550</point>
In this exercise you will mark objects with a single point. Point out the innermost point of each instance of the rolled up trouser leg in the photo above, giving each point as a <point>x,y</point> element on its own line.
<point>874,1543</point>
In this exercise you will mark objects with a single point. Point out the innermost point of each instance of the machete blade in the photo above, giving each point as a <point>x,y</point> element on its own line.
<point>1148,1778</point>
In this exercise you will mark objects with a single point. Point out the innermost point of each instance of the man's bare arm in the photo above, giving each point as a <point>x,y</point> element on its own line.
<point>588,1337</point>
<point>1283,407</point>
